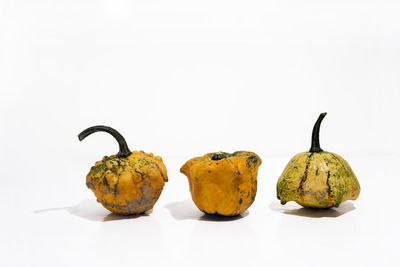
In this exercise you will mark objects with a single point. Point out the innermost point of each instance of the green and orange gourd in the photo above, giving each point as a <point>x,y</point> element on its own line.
<point>317,179</point>
<point>129,182</point>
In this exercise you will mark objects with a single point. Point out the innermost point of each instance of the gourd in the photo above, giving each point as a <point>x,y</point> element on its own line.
<point>221,183</point>
<point>126,183</point>
<point>317,179</point>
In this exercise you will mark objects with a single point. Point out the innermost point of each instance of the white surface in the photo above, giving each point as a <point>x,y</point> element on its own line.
<point>52,219</point>
<point>180,79</point>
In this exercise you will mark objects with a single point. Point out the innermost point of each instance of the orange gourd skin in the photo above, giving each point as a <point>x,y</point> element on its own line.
<point>130,185</point>
<point>227,186</point>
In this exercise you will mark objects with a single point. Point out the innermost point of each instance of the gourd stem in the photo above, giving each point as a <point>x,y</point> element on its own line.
<point>315,147</point>
<point>123,146</point>
<point>218,156</point>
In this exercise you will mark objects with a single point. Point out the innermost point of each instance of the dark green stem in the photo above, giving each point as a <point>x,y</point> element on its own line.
<point>218,156</point>
<point>315,147</point>
<point>123,146</point>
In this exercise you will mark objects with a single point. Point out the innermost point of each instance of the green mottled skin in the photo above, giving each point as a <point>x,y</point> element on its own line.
<point>317,180</point>
<point>128,185</point>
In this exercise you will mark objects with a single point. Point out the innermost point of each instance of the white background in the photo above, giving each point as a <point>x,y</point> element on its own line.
<point>180,79</point>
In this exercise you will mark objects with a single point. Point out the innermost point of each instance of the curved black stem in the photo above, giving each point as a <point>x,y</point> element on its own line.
<point>315,147</point>
<point>123,146</point>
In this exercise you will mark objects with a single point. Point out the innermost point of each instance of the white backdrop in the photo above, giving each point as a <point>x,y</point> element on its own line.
<point>180,79</point>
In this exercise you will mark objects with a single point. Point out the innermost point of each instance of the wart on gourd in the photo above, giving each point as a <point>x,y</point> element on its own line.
<point>317,179</point>
<point>127,183</point>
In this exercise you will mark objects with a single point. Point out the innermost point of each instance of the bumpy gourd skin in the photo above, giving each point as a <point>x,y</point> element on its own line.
<point>226,186</point>
<point>317,180</point>
<point>130,185</point>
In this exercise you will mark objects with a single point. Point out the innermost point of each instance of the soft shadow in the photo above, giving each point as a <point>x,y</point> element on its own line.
<point>91,210</point>
<point>295,209</point>
<point>219,218</point>
<point>186,210</point>
<point>117,217</point>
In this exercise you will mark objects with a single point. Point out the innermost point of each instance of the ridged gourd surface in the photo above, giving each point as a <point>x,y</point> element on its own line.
<point>317,180</point>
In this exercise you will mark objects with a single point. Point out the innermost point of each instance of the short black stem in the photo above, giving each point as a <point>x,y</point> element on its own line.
<point>218,156</point>
<point>123,146</point>
<point>315,147</point>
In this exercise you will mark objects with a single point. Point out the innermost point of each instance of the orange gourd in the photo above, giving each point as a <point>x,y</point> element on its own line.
<point>126,183</point>
<point>222,183</point>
